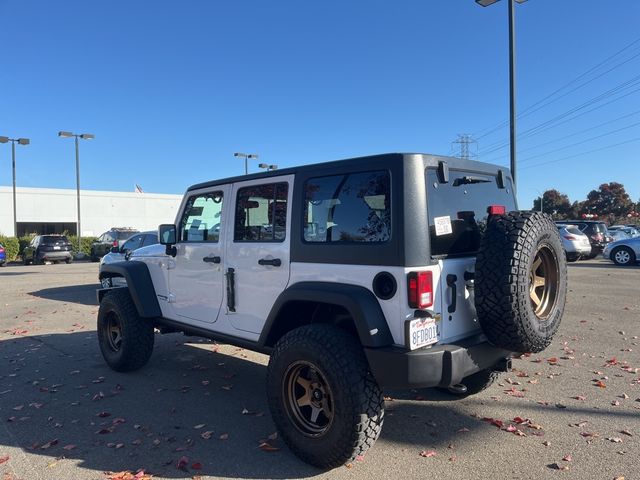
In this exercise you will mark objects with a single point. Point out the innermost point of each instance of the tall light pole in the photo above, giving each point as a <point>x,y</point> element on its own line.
<point>512,80</point>
<point>21,141</point>
<point>246,156</point>
<point>84,136</point>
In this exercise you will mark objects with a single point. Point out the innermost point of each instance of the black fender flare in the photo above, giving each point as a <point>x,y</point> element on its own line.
<point>360,302</point>
<point>139,284</point>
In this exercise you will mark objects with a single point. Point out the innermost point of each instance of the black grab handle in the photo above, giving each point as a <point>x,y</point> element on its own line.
<point>211,259</point>
<point>274,262</point>
<point>451,282</point>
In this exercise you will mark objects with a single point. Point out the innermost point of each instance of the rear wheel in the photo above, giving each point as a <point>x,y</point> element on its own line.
<point>521,281</point>
<point>125,339</point>
<point>623,256</point>
<point>327,406</point>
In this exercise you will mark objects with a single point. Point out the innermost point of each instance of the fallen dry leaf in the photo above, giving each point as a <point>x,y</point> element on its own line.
<point>428,453</point>
<point>567,458</point>
<point>4,459</point>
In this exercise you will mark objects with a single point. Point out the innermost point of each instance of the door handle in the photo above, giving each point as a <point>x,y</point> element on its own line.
<point>451,282</point>
<point>211,259</point>
<point>274,262</point>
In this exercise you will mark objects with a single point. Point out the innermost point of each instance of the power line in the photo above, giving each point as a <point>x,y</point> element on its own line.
<point>490,160</point>
<point>554,122</point>
<point>583,153</point>
<point>602,63</point>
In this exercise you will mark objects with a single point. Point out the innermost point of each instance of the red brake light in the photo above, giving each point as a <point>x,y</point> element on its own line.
<point>115,243</point>
<point>420,289</point>
<point>1,249</point>
<point>496,210</point>
<point>570,237</point>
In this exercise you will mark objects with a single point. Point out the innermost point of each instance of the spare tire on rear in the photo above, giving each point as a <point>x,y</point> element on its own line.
<point>520,281</point>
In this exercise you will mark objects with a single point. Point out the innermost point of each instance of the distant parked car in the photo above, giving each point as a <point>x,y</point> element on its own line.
<point>619,234</point>
<point>3,256</point>
<point>54,248</point>
<point>630,231</point>
<point>118,254</point>
<point>576,244</point>
<point>623,252</point>
<point>109,239</point>
<point>595,230</point>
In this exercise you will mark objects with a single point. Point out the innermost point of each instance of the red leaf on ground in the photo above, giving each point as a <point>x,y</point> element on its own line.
<point>567,457</point>
<point>196,466</point>
<point>494,421</point>
<point>428,453</point>
<point>511,428</point>
<point>182,463</point>
<point>600,384</point>
<point>4,459</point>
<point>267,447</point>
<point>582,398</point>
<point>49,444</point>
<point>520,420</point>
<point>103,414</point>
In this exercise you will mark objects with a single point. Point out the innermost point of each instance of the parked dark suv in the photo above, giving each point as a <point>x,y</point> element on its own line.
<point>54,248</point>
<point>595,230</point>
<point>108,240</point>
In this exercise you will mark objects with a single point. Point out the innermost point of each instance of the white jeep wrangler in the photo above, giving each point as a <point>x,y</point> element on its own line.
<point>397,270</point>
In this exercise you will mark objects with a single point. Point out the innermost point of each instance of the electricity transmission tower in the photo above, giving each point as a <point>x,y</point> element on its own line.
<point>463,144</point>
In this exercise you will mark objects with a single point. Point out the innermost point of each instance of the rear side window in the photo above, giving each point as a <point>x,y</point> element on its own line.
<point>261,213</point>
<point>124,234</point>
<point>53,239</point>
<point>574,231</point>
<point>458,210</point>
<point>355,207</point>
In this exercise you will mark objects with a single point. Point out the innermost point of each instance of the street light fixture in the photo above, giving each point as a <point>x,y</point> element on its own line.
<point>21,141</point>
<point>512,80</point>
<point>246,156</point>
<point>84,136</point>
<point>267,167</point>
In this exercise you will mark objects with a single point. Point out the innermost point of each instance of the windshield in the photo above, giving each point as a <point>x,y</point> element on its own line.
<point>458,210</point>
<point>51,239</point>
<point>123,235</point>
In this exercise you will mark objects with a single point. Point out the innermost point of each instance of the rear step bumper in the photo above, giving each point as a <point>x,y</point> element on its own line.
<point>442,365</point>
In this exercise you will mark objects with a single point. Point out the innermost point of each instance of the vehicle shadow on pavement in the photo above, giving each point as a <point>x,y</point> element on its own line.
<point>82,294</point>
<point>67,411</point>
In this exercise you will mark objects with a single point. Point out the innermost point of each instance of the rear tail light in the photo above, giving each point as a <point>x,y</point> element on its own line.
<point>496,210</point>
<point>1,249</point>
<point>115,243</point>
<point>570,237</point>
<point>420,289</point>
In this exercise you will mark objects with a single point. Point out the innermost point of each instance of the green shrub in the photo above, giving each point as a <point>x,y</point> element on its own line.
<point>24,241</point>
<point>11,247</point>
<point>85,244</point>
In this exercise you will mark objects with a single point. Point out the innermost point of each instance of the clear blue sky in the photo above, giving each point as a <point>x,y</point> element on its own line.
<point>172,89</point>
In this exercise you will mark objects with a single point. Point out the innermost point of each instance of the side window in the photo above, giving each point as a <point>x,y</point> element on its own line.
<point>133,243</point>
<point>150,239</point>
<point>108,237</point>
<point>201,218</point>
<point>355,207</point>
<point>261,213</point>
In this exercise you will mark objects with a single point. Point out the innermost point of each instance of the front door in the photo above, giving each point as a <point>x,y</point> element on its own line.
<point>257,250</point>
<point>196,279</point>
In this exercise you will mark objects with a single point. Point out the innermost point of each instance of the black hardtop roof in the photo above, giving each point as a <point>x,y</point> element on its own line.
<point>429,159</point>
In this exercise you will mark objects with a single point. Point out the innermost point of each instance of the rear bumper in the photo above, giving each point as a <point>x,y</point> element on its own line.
<point>55,255</point>
<point>442,365</point>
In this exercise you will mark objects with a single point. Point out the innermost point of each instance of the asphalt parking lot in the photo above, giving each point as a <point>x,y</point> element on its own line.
<point>198,410</point>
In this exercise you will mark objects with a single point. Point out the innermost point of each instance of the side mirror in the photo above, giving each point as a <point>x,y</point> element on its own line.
<point>167,236</point>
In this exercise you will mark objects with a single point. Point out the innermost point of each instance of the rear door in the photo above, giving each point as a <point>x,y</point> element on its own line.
<point>457,217</point>
<point>257,253</point>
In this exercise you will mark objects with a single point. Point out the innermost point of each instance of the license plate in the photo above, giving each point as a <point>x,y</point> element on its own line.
<point>56,247</point>
<point>421,332</point>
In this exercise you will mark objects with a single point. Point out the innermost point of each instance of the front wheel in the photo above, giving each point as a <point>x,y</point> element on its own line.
<point>623,256</point>
<point>125,339</point>
<point>324,401</point>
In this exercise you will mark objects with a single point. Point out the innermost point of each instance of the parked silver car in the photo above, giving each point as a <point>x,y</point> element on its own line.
<point>576,244</point>
<point>623,252</point>
<point>118,254</point>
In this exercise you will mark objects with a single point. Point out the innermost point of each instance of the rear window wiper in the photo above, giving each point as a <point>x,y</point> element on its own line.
<point>466,180</point>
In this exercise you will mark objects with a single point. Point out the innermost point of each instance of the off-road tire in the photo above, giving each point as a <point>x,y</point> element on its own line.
<point>125,339</point>
<point>356,398</point>
<point>506,275</point>
<point>618,257</point>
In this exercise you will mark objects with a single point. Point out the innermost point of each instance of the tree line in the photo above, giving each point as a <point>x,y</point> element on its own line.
<point>610,202</point>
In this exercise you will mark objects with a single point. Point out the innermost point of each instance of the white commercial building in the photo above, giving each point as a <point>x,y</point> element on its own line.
<point>50,210</point>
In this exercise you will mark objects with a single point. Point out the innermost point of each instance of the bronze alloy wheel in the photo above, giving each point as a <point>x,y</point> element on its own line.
<point>544,282</point>
<point>114,331</point>
<point>308,399</point>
